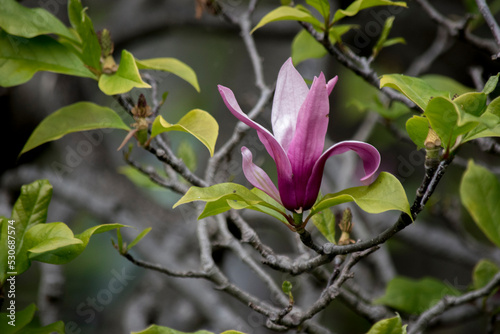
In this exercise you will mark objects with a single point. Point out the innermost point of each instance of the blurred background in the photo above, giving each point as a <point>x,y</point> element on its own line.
<point>100,292</point>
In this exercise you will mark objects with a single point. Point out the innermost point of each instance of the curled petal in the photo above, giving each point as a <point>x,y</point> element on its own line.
<point>257,177</point>
<point>368,153</point>
<point>273,147</point>
<point>291,91</point>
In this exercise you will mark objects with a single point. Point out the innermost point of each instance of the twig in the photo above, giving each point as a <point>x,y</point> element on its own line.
<point>332,291</point>
<point>490,20</point>
<point>153,176</point>
<point>164,270</point>
<point>166,155</point>
<point>458,29</point>
<point>448,301</point>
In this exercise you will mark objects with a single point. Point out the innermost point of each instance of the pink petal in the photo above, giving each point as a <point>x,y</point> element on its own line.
<point>331,84</point>
<point>307,144</point>
<point>257,177</point>
<point>283,165</point>
<point>368,153</point>
<point>291,91</point>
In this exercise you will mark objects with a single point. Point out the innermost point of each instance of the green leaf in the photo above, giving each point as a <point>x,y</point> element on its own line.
<point>480,194</point>
<point>383,36</point>
<point>472,103</point>
<point>446,84</point>
<point>335,33</point>
<point>418,128</point>
<point>22,21</point>
<point>126,77</point>
<point>231,332</point>
<point>285,13</point>
<point>448,121</point>
<point>171,65</point>
<point>325,223</point>
<point>139,238</point>
<point>226,193</point>
<point>415,296</point>
<point>138,178</point>
<point>358,5</point>
<point>417,90</point>
<point>483,273</point>
<point>197,122</point>
<point>23,318</point>
<point>155,329</point>
<point>29,210</point>
<point>384,194</point>
<point>494,107</point>
<point>278,214</point>
<point>21,58</point>
<point>80,116</point>
<point>322,6</point>
<point>491,84</point>
<point>42,240</point>
<point>90,50</point>
<point>186,152</point>
<point>66,250</point>
<point>286,287</point>
<point>388,326</point>
<point>304,47</point>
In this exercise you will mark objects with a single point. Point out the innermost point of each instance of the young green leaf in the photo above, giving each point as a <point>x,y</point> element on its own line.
<point>415,296</point>
<point>322,6</point>
<point>384,194</point>
<point>417,90</point>
<point>490,86</point>
<point>55,243</point>
<point>80,116</point>
<point>90,48</point>
<point>171,65</point>
<point>233,195</point>
<point>304,47</point>
<point>43,240</point>
<point>472,103</point>
<point>139,238</point>
<point>22,21</point>
<point>286,13</point>
<point>325,223</point>
<point>383,36</point>
<point>448,121</point>
<point>483,273</point>
<point>21,58</point>
<point>480,194</point>
<point>418,128</point>
<point>29,210</point>
<point>197,122</point>
<point>335,33</point>
<point>126,77</point>
<point>358,5</point>
<point>388,326</point>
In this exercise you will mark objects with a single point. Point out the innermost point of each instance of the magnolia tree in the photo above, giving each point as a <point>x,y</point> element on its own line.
<point>300,244</point>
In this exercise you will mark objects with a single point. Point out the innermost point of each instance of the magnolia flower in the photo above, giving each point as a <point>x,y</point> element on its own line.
<point>300,121</point>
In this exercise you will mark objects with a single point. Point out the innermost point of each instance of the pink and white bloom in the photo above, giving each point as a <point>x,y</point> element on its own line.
<point>300,121</point>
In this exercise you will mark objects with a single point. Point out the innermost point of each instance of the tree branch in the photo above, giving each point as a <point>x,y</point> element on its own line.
<point>448,301</point>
